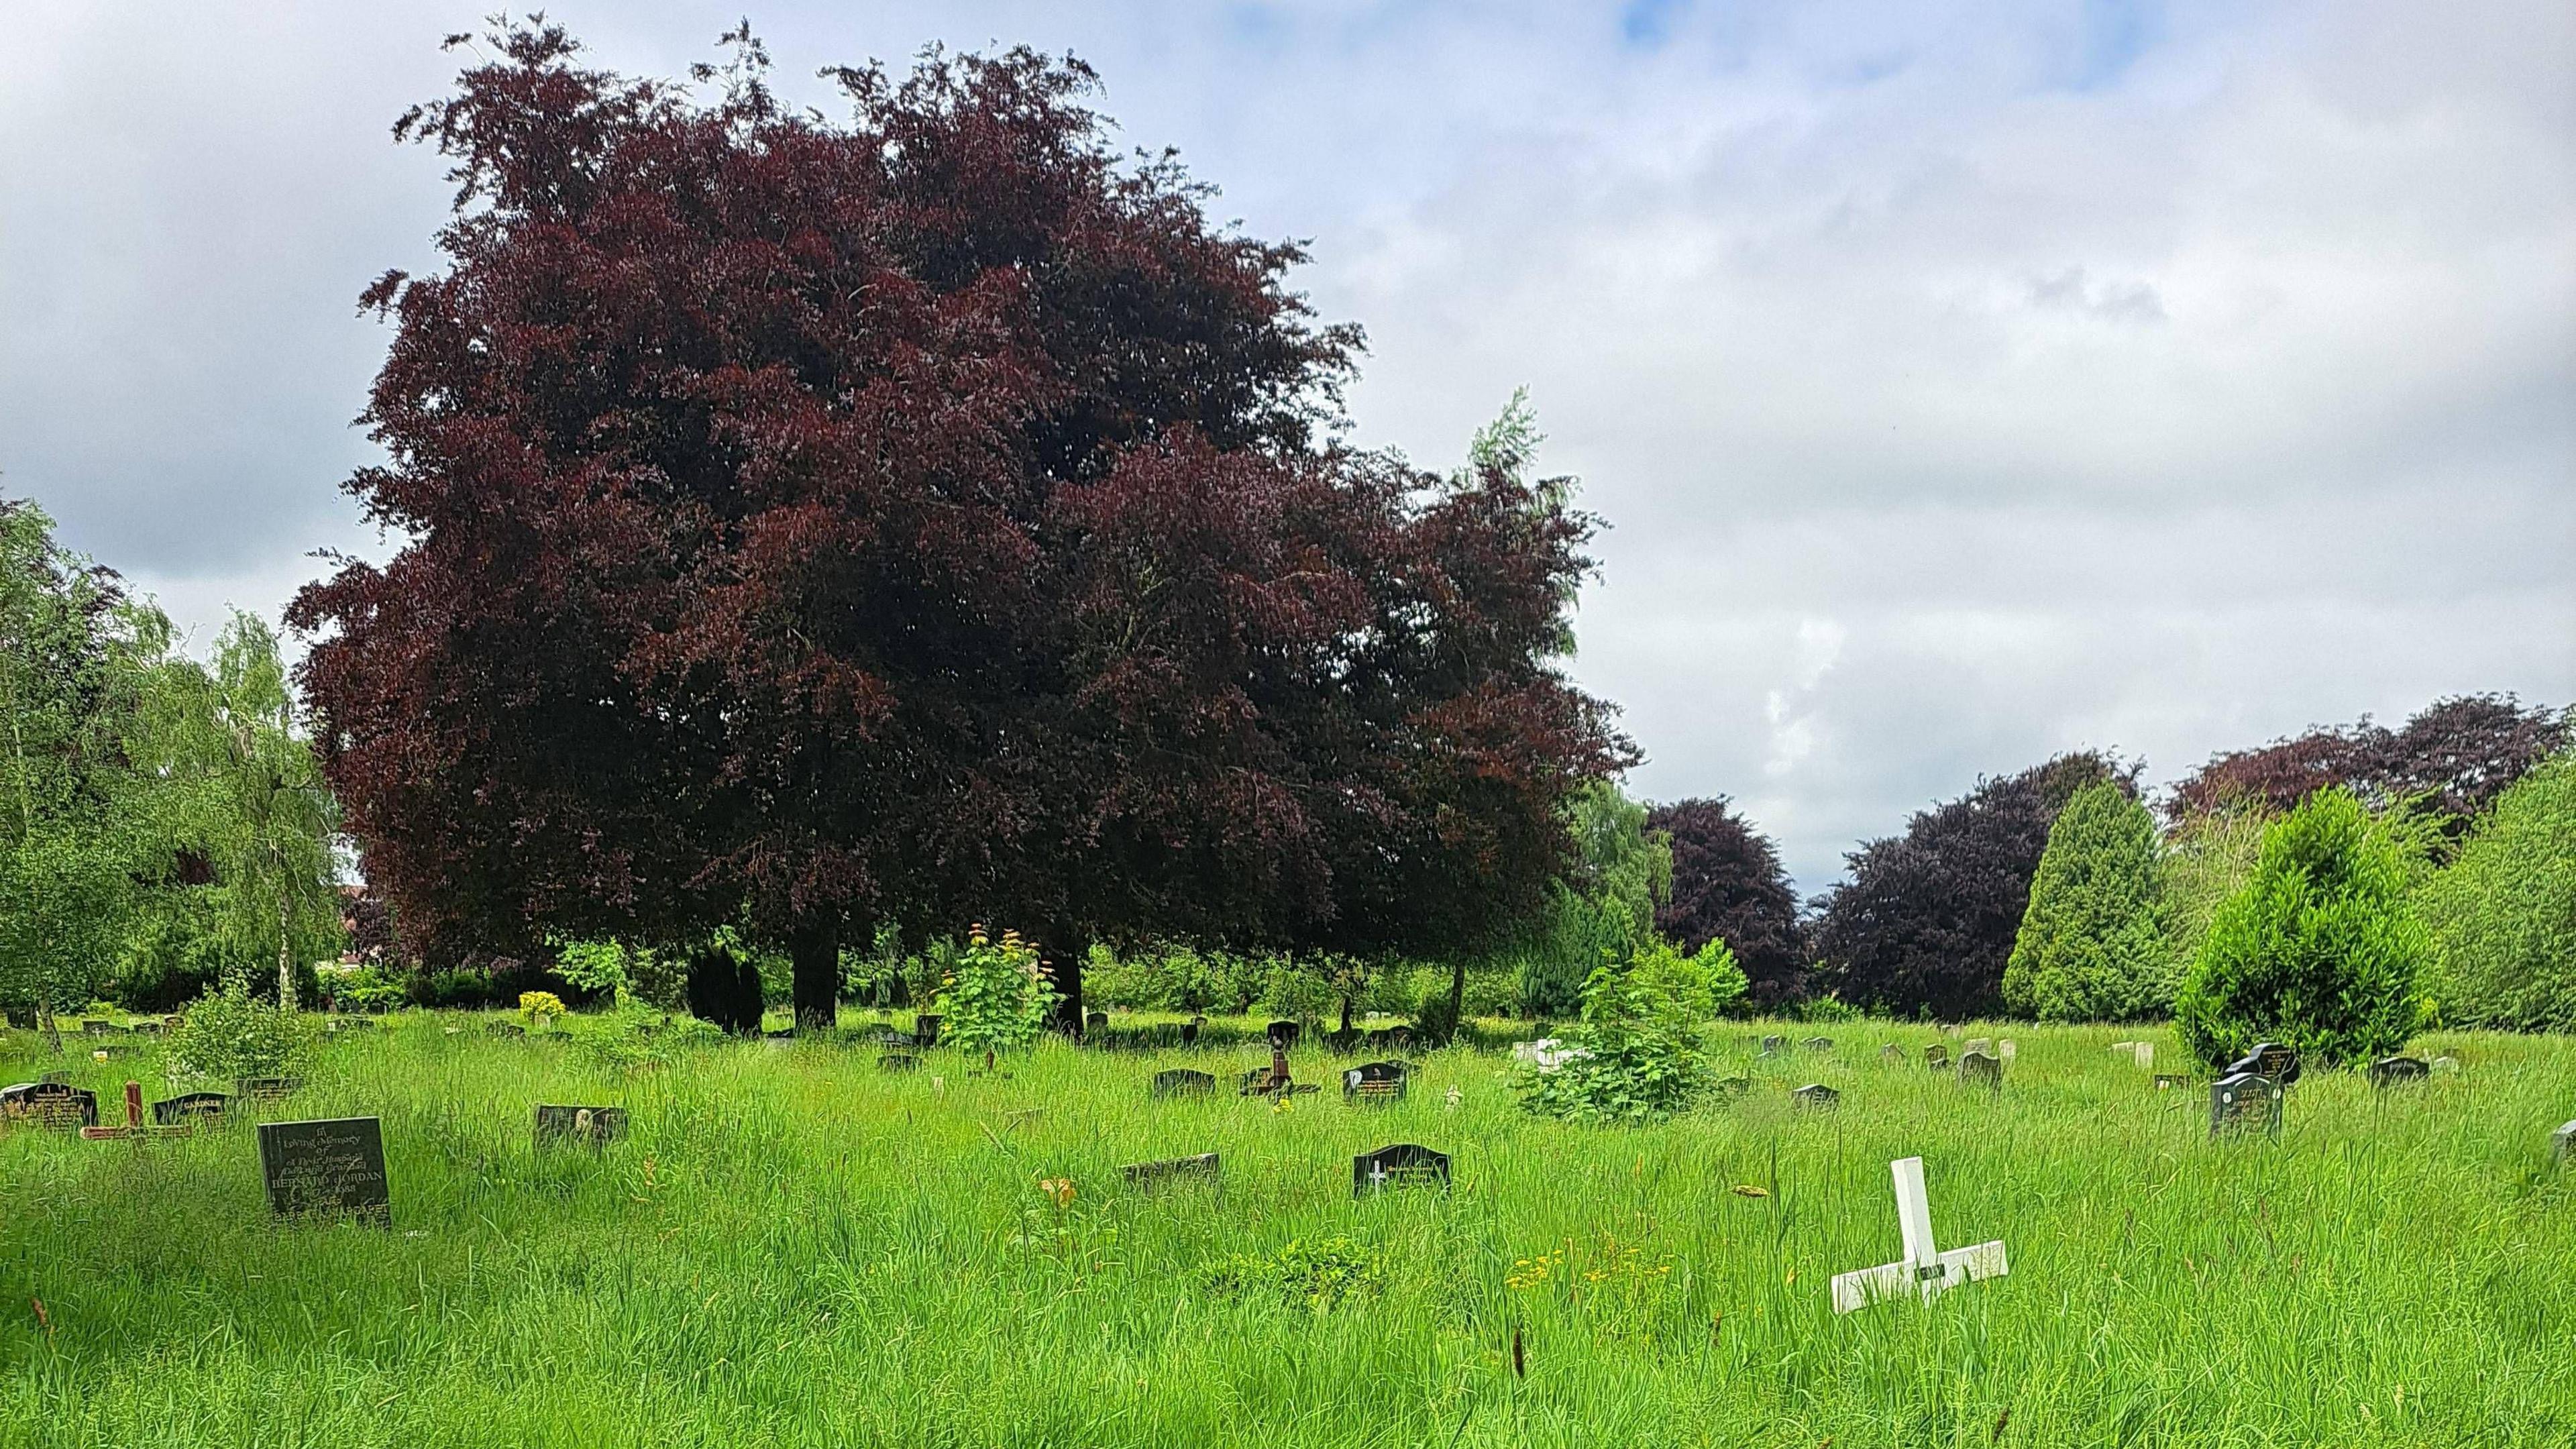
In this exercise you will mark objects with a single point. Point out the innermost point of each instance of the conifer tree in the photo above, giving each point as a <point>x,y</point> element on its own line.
<point>2090,945</point>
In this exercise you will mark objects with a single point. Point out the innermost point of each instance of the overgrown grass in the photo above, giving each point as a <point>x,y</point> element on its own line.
<point>795,1248</point>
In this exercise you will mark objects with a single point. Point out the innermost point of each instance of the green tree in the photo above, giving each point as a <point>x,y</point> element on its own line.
<point>79,662</point>
<point>2091,945</point>
<point>2503,914</point>
<point>1603,911</point>
<point>2319,950</point>
<point>2208,858</point>
<point>257,805</point>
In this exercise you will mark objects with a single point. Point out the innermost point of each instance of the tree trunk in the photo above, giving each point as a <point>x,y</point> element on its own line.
<point>53,1026</point>
<point>1457,996</point>
<point>1064,965</point>
<point>815,950</point>
<point>1346,1013</point>
<point>285,958</point>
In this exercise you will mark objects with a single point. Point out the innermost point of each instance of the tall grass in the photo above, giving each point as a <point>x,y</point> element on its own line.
<point>794,1248</point>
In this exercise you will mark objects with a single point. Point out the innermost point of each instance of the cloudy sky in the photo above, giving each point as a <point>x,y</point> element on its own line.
<point>1963,383</point>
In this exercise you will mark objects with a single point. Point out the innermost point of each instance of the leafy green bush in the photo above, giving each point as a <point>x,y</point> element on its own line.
<point>227,1035</point>
<point>2319,950</point>
<point>1641,1050</point>
<point>2503,915</point>
<point>2091,945</point>
<point>1316,1275</point>
<point>624,1041</point>
<point>365,988</point>
<point>995,997</point>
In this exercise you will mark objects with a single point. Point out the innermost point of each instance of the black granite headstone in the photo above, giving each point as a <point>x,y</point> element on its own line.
<point>1190,1033</point>
<point>201,1108</point>
<point>1402,1165</point>
<point>2397,1071</point>
<point>1096,1021</point>
<point>57,1106</point>
<point>2244,1099</point>
<point>2268,1059</point>
<point>1375,1082</point>
<point>1283,1036</point>
<point>925,1030</point>
<point>1182,1082</point>
<point>587,1126</point>
<point>331,1166</point>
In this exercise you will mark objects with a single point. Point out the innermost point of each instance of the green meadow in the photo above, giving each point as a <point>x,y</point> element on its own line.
<point>794,1247</point>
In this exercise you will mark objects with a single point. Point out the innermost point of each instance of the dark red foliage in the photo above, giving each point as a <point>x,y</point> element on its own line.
<point>1728,885</point>
<point>1925,923</point>
<point>2455,757</point>
<point>919,519</point>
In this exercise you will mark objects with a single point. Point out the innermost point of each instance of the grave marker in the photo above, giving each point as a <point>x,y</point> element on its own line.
<point>1980,1070</point>
<point>1925,1270</point>
<point>1190,1032</point>
<point>925,1030</point>
<point>1893,1055</point>
<point>2562,1145</point>
<point>1731,1086</point>
<point>2446,1064</point>
<point>1818,1044</point>
<point>21,1017</point>
<point>1773,1046</point>
<point>1171,1170</point>
<point>1283,1036</point>
<point>590,1126</point>
<point>1375,1082</point>
<point>95,1027</point>
<point>1401,1165</point>
<point>1978,1044</point>
<point>2397,1072</point>
<point>1095,1021</point>
<point>2244,1099</point>
<point>190,1109</point>
<point>2268,1059</point>
<point>2006,1050</point>
<point>267,1091</point>
<point>2167,1081</point>
<point>1816,1096</point>
<point>54,1106</point>
<point>330,1166</point>
<point>1182,1082</point>
<point>1937,1057</point>
<point>133,1127</point>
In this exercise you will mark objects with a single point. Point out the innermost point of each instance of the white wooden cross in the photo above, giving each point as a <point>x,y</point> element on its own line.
<point>1923,1267</point>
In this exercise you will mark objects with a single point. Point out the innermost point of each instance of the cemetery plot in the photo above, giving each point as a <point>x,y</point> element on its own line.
<point>1401,1165</point>
<point>1283,1036</point>
<point>331,1167</point>
<point>2397,1071</point>
<point>1937,1057</point>
<point>1818,1044</point>
<point>2269,1059</point>
<point>1924,1270</point>
<point>267,1091</point>
<point>588,1126</point>
<point>201,1108</point>
<point>1977,1069</point>
<point>1817,1097</point>
<point>1183,1082</point>
<point>1170,1171</point>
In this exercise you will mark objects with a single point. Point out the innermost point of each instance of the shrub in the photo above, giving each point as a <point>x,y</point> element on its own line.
<point>1316,1275</point>
<point>540,1007</point>
<point>2503,915</point>
<point>365,988</point>
<point>2319,950</point>
<point>614,1042</point>
<point>2091,946</point>
<point>1643,1040</point>
<point>228,1035</point>
<point>995,997</point>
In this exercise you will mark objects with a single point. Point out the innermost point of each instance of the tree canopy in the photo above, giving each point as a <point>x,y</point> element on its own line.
<point>2503,913</point>
<point>2091,945</point>
<point>1925,922</point>
<point>914,518</point>
<point>2453,759</point>
<point>1729,885</point>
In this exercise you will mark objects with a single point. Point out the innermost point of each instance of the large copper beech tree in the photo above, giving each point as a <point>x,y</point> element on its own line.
<point>914,519</point>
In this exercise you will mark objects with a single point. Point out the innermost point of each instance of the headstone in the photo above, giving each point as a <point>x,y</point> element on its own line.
<point>1980,1070</point>
<point>1171,1170</point>
<point>331,1166</point>
<point>149,1028</point>
<point>2397,1071</point>
<point>202,1108</point>
<point>1816,1096</point>
<point>2244,1099</point>
<point>1772,1046</point>
<point>1818,1044</point>
<point>1401,1165</point>
<point>2268,1059</point>
<point>1190,1032</point>
<point>2562,1145</point>
<point>1893,1055</point>
<point>925,1030</point>
<point>2005,1050</point>
<point>2146,1053</point>
<point>1937,1057</point>
<point>1978,1044</point>
<point>21,1017</point>
<point>898,1062</point>
<point>1375,1082</point>
<point>263,1090</point>
<point>2167,1081</point>
<point>1283,1036</point>
<point>1547,1053</point>
<point>1924,1270</point>
<point>1095,1021</point>
<point>588,1126</point>
<point>778,1041</point>
<point>55,1106</point>
<point>1182,1082</point>
<point>504,1028</point>
<point>2446,1064</point>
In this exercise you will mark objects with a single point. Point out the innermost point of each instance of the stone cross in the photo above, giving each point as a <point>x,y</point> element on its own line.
<point>1924,1268</point>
